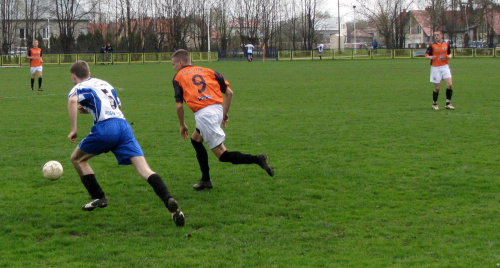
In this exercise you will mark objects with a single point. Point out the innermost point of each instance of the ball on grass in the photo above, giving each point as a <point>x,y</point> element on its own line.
<point>52,170</point>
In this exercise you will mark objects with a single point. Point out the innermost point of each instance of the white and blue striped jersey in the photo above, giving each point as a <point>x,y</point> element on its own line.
<point>249,48</point>
<point>99,98</point>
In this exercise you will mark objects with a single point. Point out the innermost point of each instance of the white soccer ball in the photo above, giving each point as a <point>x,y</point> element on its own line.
<point>52,170</point>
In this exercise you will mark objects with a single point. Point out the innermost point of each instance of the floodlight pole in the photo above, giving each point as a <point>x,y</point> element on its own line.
<point>354,33</point>
<point>48,33</point>
<point>338,14</point>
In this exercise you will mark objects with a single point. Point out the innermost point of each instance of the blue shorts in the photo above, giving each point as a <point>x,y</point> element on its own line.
<point>113,135</point>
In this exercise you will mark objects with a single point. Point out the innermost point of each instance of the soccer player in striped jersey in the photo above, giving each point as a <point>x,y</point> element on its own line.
<point>35,56</point>
<point>110,132</point>
<point>320,50</point>
<point>440,53</point>
<point>249,48</point>
<point>203,90</point>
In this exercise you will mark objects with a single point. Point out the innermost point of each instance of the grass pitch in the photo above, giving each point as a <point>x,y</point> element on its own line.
<point>366,173</point>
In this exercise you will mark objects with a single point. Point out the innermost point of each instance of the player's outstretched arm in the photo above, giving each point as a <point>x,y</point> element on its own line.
<point>182,124</point>
<point>73,112</point>
<point>227,104</point>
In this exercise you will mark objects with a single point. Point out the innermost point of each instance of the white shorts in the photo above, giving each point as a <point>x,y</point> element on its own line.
<point>440,73</point>
<point>208,121</point>
<point>36,69</point>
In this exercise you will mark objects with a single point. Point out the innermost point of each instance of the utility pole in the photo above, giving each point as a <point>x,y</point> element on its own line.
<point>338,14</point>
<point>354,33</point>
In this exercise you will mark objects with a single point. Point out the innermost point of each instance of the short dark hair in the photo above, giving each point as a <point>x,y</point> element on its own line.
<point>80,69</point>
<point>181,54</point>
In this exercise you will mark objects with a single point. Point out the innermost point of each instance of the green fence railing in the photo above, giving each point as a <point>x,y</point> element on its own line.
<point>16,60</point>
<point>99,58</point>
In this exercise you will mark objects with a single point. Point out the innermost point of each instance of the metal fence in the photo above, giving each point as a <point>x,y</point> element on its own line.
<point>103,59</point>
<point>360,54</point>
<point>15,60</point>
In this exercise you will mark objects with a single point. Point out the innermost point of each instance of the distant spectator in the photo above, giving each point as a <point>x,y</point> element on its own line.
<point>109,50</point>
<point>103,53</point>
<point>375,44</point>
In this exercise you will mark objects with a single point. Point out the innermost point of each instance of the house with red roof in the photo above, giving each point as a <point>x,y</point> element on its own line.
<point>457,30</point>
<point>419,29</point>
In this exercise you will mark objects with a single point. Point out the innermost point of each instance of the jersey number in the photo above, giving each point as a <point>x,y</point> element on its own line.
<point>112,100</point>
<point>199,81</point>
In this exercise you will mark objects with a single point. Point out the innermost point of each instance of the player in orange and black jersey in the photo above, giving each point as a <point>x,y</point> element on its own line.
<point>209,96</point>
<point>440,53</point>
<point>35,56</point>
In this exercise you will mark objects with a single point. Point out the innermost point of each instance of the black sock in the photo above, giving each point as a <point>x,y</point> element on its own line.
<point>238,158</point>
<point>449,93</point>
<point>160,188</point>
<point>202,156</point>
<point>435,96</point>
<point>92,186</point>
<point>39,82</point>
<point>32,82</point>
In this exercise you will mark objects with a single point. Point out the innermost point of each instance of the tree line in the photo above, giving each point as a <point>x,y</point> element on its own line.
<point>467,20</point>
<point>166,25</point>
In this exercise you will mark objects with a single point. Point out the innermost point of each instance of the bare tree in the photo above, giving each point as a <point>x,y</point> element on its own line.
<point>198,23</point>
<point>8,16</point>
<point>248,18</point>
<point>294,20</point>
<point>174,13</point>
<point>33,10</point>
<point>389,18</point>
<point>278,19</point>
<point>146,32</point>
<point>126,25</point>
<point>269,24</point>
<point>472,18</point>
<point>308,21</point>
<point>220,23</point>
<point>69,14</point>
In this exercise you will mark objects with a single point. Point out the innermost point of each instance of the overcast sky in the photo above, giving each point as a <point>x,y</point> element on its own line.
<point>346,9</point>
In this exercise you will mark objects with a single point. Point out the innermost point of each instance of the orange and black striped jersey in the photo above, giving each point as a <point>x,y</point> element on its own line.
<point>35,52</point>
<point>199,87</point>
<point>441,51</point>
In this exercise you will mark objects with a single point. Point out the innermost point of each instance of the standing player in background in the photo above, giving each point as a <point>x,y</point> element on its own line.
<point>35,56</point>
<point>375,45</point>
<point>440,53</point>
<point>320,50</point>
<point>249,48</point>
<point>202,89</point>
<point>111,132</point>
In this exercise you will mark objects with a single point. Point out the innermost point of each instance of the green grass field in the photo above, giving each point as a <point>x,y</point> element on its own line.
<point>367,174</point>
